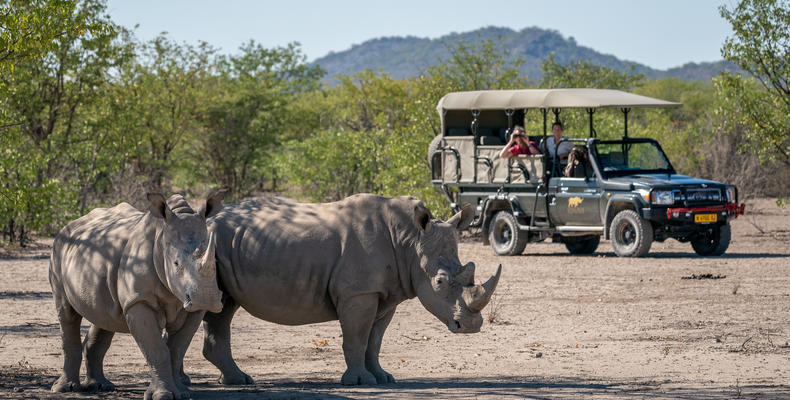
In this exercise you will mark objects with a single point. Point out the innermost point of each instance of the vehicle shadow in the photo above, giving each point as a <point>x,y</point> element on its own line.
<point>725,256</point>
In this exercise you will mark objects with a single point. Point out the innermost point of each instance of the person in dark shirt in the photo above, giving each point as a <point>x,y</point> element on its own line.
<point>518,144</point>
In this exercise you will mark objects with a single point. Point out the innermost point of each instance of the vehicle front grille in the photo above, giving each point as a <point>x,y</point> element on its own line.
<point>702,196</point>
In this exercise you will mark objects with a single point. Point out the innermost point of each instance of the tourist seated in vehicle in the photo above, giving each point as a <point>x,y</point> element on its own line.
<point>578,163</point>
<point>518,144</point>
<point>550,143</point>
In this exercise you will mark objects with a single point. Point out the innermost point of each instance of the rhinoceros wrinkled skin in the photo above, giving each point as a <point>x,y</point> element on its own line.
<point>141,273</point>
<point>353,260</point>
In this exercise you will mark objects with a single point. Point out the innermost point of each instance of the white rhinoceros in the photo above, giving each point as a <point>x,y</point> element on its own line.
<point>144,273</point>
<point>353,260</point>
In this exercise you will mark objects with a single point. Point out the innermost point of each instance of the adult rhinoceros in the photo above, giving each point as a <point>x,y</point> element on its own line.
<point>128,271</point>
<point>353,260</point>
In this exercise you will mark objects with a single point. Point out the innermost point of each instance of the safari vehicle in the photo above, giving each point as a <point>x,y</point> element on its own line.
<point>627,190</point>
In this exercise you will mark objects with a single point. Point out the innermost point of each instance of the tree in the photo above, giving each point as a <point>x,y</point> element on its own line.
<point>159,98</point>
<point>760,45</point>
<point>51,77</point>
<point>482,66</point>
<point>245,117</point>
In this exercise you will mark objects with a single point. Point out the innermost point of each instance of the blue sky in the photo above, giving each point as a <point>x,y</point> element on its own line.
<point>660,34</point>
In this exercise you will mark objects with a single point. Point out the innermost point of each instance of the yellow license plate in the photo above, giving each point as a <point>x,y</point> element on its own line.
<point>705,218</point>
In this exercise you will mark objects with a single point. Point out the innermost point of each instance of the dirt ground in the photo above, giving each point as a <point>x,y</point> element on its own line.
<point>563,327</point>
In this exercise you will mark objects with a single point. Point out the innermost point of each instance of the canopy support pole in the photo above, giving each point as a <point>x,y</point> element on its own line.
<point>544,112</point>
<point>625,121</point>
<point>591,111</point>
<point>475,120</point>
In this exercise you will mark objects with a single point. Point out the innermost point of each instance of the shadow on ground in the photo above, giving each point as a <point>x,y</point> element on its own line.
<point>659,255</point>
<point>24,381</point>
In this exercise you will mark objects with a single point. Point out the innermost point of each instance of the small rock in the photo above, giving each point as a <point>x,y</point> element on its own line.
<point>18,389</point>
<point>538,355</point>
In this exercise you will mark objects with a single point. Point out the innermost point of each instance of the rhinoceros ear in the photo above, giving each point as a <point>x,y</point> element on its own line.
<point>158,206</point>
<point>462,219</point>
<point>422,217</point>
<point>213,203</point>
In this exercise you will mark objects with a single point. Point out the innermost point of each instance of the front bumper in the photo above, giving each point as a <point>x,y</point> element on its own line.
<point>729,210</point>
<point>687,215</point>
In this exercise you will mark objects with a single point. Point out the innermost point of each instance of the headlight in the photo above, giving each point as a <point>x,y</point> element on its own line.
<point>730,194</point>
<point>662,197</point>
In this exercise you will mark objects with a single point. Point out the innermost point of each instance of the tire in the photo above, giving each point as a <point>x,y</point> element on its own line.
<point>582,244</point>
<point>433,146</point>
<point>505,237</point>
<point>712,242</point>
<point>631,235</point>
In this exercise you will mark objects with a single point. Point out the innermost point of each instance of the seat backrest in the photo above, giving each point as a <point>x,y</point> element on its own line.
<point>499,172</point>
<point>490,141</point>
<point>458,132</point>
<point>533,164</point>
<point>465,147</point>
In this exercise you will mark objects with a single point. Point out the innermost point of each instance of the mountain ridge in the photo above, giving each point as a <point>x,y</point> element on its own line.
<point>407,56</point>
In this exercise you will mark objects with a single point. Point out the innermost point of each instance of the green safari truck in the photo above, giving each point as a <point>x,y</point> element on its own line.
<point>624,190</point>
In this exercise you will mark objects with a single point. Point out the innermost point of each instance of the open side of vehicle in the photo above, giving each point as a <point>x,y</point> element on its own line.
<point>625,190</point>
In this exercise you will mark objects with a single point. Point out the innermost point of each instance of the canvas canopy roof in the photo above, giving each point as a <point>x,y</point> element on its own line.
<point>547,98</point>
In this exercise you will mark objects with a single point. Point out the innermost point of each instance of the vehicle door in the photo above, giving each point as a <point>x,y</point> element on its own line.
<point>575,201</point>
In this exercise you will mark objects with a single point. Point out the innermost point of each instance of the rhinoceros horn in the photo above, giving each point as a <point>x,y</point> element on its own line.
<point>466,274</point>
<point>478,296</point>
<point>207,262</point>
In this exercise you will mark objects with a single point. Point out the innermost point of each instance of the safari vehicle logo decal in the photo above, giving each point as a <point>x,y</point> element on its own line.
<point>573,205</point>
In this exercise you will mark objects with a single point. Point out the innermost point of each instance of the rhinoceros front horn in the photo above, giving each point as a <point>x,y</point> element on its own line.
<point>207,263</point>
<point>481,294</point>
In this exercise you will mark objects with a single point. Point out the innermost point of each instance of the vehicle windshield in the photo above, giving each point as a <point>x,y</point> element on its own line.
<point>629,158</point>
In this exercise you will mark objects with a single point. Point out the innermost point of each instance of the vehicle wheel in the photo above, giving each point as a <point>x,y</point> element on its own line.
<point>433,146</point>
<point>505,238</point>
<point>631,235</point>
<point>713,242</point>
<point>582,244</point>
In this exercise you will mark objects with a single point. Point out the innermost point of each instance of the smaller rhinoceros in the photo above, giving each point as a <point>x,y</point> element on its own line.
<point>150,274</point>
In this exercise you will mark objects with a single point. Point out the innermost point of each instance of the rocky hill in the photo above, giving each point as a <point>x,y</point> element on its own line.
<point>403,57</point>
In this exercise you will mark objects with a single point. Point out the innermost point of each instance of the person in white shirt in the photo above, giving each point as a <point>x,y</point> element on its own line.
<point>565,147</point>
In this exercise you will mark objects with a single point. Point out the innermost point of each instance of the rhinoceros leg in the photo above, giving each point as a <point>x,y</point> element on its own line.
<point>144,326</point>
<point>374,346</point>
<point>216,344</point>
<point>97,341</point>
<point>69,379</point>
<point>356,316</point>
<point>178,342</point>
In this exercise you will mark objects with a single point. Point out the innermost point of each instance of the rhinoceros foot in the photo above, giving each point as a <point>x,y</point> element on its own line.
<point>239,378</point>
<point>66,385</point>
<point>98,385</point>
<point>358,377</point>
<point>162,393</point>
<point>382,376</point>
<point>184,379</point>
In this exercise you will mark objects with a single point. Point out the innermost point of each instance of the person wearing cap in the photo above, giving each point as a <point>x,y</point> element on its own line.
<point>518,144</point>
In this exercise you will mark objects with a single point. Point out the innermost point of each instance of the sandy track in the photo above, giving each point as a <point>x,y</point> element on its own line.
<point>565,326</point>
